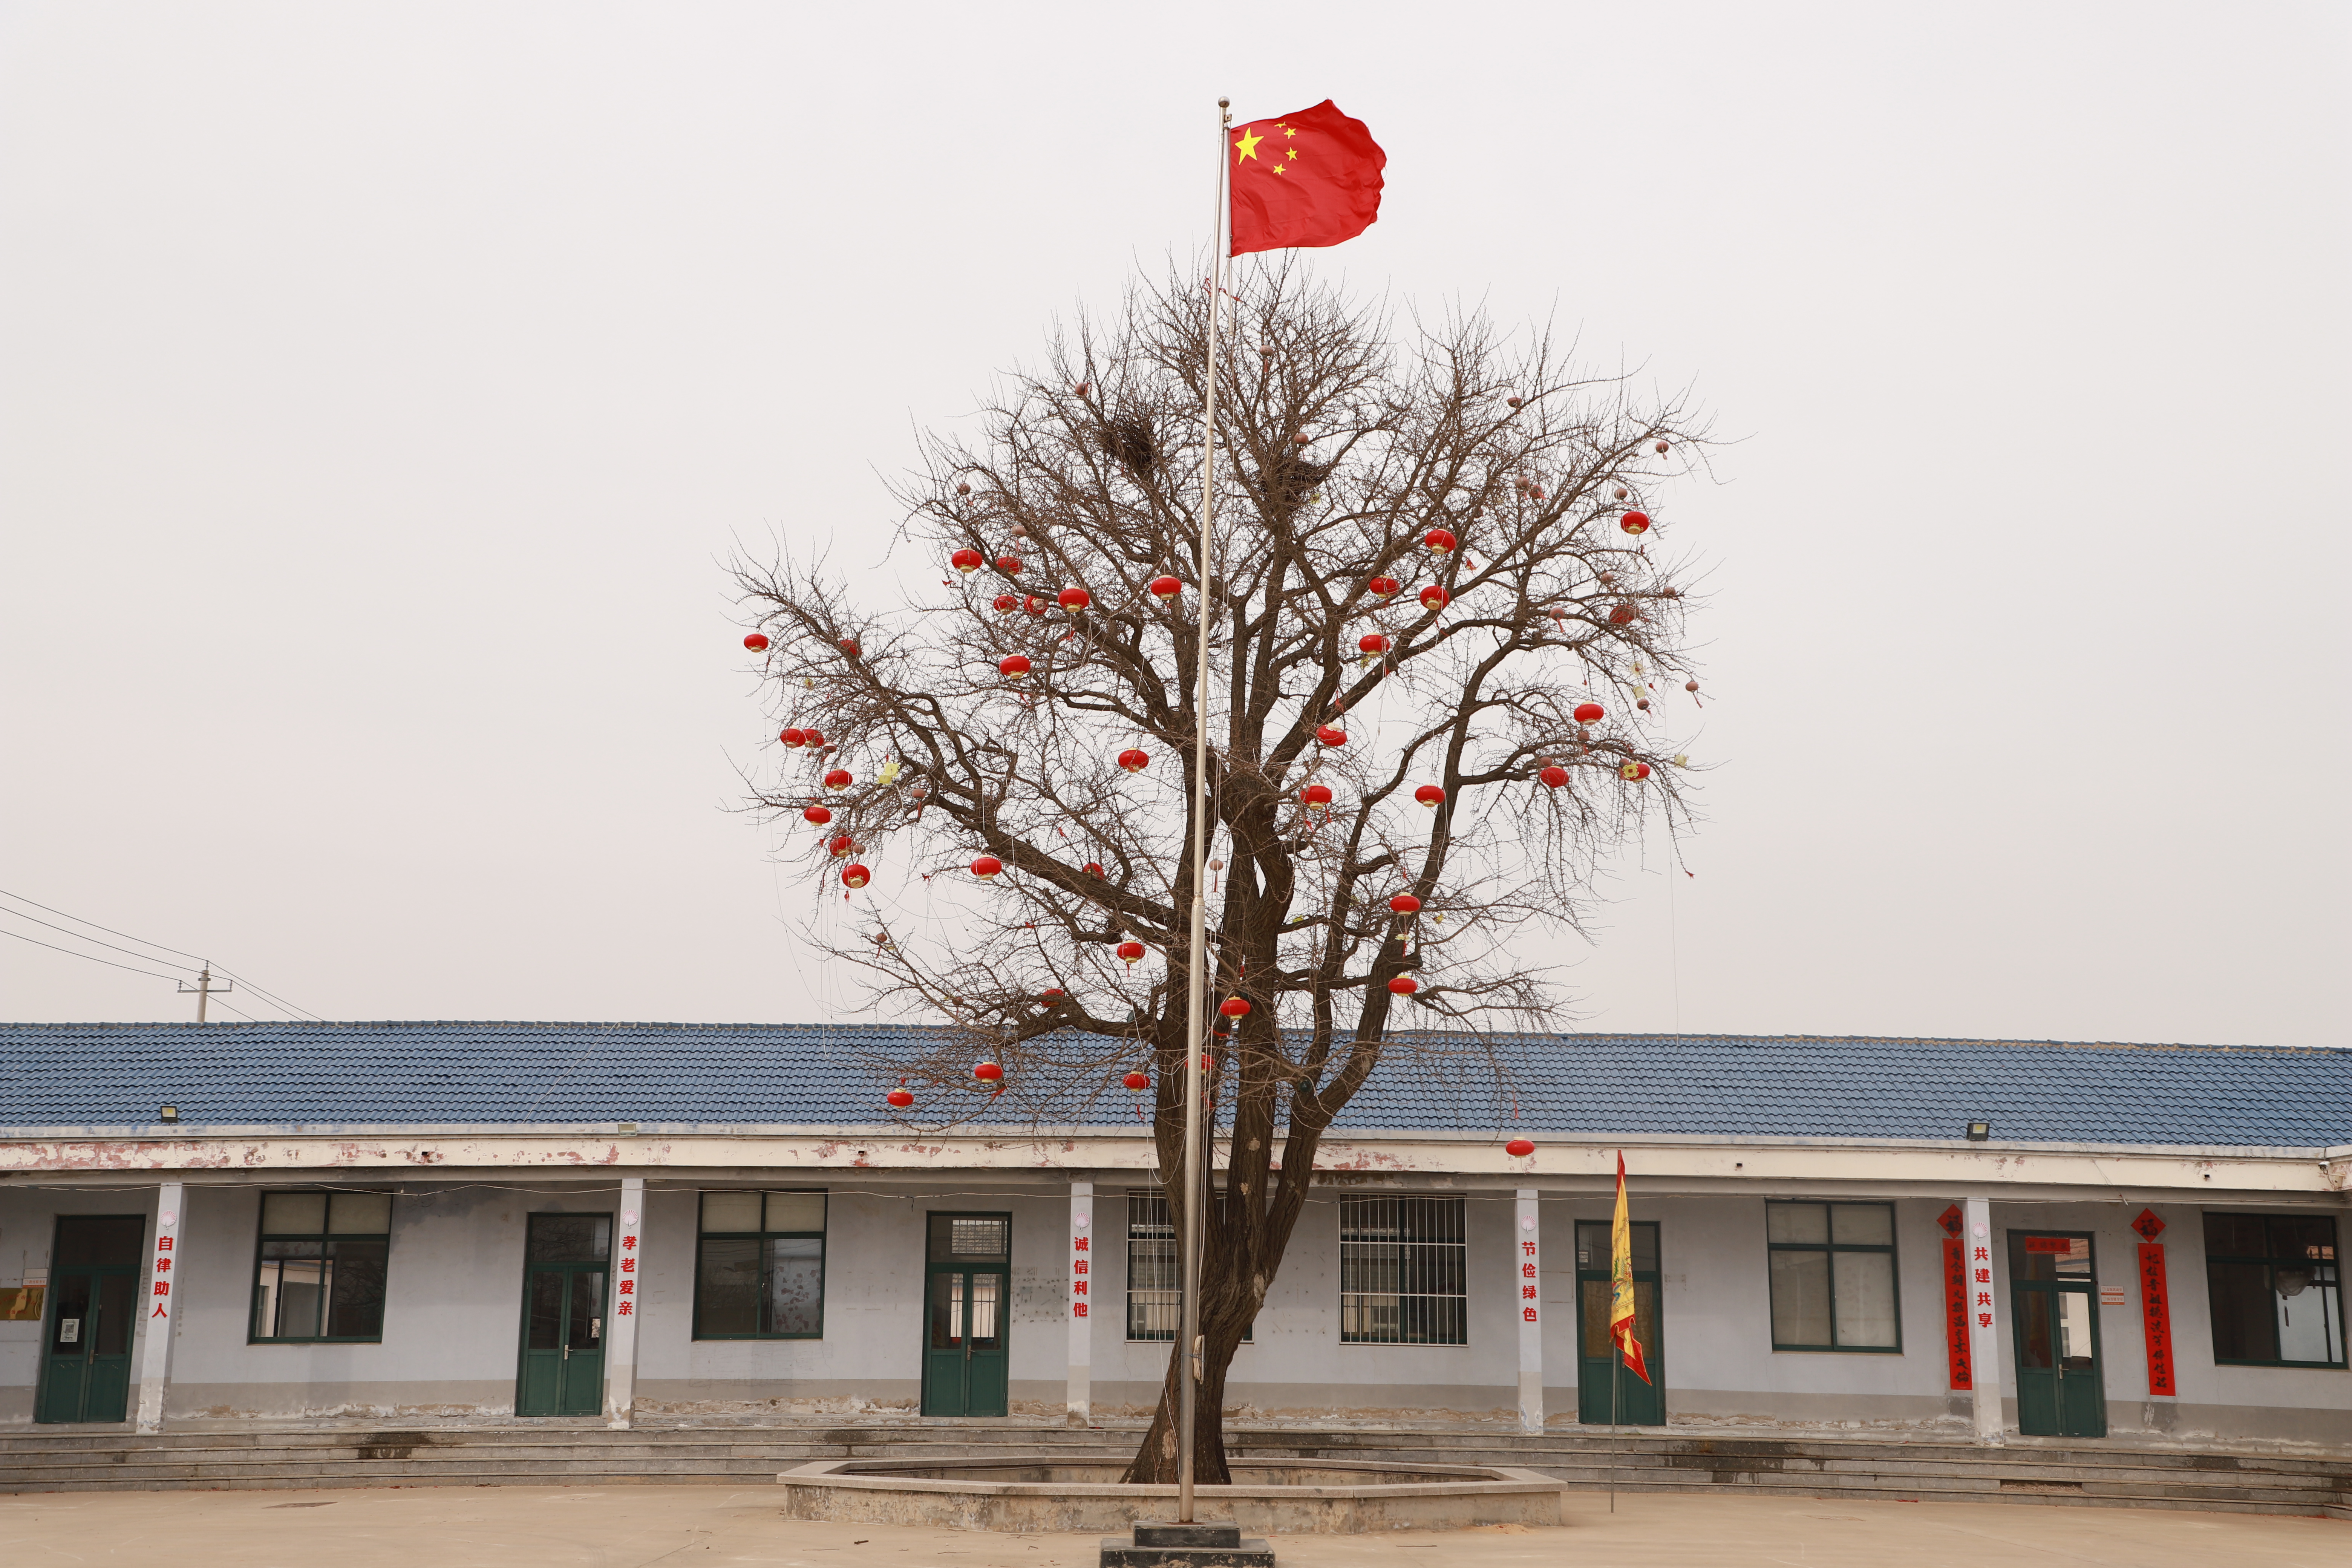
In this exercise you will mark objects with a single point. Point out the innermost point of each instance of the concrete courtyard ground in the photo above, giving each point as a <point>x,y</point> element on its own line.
<point>725,1527</point>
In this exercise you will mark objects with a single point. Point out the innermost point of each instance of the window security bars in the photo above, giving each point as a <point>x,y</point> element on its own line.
<point>1402,1271</point>
<point>1155,1270</point>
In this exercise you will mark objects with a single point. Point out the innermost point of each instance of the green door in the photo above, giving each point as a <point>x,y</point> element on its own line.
<point>93,1315</point>
<point>1599,1375</point>
<point>967,1297</point>
<point>565,1260</point>
<point>2054,1308</point>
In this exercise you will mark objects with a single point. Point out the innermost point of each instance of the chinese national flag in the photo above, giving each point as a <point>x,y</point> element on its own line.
<point>1309,178</point>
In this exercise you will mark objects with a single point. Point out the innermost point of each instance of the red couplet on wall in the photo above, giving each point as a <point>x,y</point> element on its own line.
<point>1956,1312</point>
<point>2156,1317</point>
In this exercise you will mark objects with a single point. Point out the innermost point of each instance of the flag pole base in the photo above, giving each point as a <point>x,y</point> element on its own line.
<point>1206,1544</point>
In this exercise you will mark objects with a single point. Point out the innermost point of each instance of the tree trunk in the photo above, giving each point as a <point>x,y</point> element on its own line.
<point>1155,1461</point>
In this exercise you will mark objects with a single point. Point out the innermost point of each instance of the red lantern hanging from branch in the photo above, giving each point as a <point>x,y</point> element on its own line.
<point>967,561</point>
<point>1131,952</point>
<point>1074,599</point>
<point>817,815</point>
<point>1094,869</point>
<point>1332,734</point>
<point>1006,603</point>
<point>842,846</point>
<point>1234,1007</point>
<point>1137,1081</point>
<point>1434,598</point>
<point>1439,540</point>
<point>1316,795</point>
<point>836,778</point>
<point>1589,713</point>
<point>1134,760</point>
<point>1013,666</point>
<point>899,1098</point>
<point>795,739</point>
<point>1624,615</point>
<point>1009,564</point>
<point>1034,605</point>
<point>988,1072</point>
<point>1635,522</point>
<point>1403,985</point>
<point>1382,587</point>
<point>1430,795</point>
<point>855,876</point>
<point>757,642</point>
<point>1165,588</point>
<point>1553,776</point>
<point>987,866</point>
<point>1404,904</point>
<point>1372,642</point>
<point>1635,771</point>
<point>849,646</point>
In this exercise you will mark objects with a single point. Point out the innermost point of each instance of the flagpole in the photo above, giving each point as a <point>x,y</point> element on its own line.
<point>1197,998</point>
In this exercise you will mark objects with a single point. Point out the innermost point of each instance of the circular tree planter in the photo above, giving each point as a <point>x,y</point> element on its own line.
<point>1288,1497</point>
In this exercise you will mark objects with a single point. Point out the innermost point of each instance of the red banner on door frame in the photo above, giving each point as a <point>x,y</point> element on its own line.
<point>2156,1318</point>
<point>1956,1310</point>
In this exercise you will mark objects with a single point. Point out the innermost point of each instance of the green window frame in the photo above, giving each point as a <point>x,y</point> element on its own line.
<point>1404,1271</point>
<point>2274,1283</point>
<point>1833,1278</point>
<point>759,1265</point>
<point>320,1263</point>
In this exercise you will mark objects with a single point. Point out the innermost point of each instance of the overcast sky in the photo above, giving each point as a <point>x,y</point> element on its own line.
<point>385,385</point>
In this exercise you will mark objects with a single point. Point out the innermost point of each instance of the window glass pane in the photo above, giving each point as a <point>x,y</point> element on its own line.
<point>570,1238</point>
<point>1862,1224</point>
<point>301,1291</point>
<point>293,1249</point>
<point>726,1300</point>
<point>84,1238</point>
<point>2309,1238</point>
<point>795,1284</point>
<point>968,1237</point>
<point>1800,1297</point>
<point>2243,1326</point>
<point>795,1211</point>
<point>1796,1221</point>
<point>730,1211</point>
<point>1863,1285</point>
<point>116,1316</point>
<point>265,1299</point>
<point>359,1214</point>
<point>544,1330</point>
<point>2308,1314</point>
<point>293,1214</point>
<point>2237,1235</point>
<point>355,1305</point>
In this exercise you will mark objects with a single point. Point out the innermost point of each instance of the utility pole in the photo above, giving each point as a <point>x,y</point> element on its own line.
<point>206,988</point>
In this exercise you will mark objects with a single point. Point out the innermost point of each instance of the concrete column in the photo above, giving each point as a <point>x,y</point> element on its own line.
<point>1082,1302</point>
<point>1526,1307</point>
<point>620,1332</point>
<point>1984,1316</point>
<point>158,1306</point>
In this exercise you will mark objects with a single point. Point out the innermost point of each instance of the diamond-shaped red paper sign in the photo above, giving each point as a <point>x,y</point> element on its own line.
<point>1950,1220</point>
<point>2148,1226</point>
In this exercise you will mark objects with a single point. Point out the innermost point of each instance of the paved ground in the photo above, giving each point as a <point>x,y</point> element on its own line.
<point>718,1527</point>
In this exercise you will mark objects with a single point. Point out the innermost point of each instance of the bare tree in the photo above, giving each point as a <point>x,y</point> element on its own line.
<point>1359,660</point>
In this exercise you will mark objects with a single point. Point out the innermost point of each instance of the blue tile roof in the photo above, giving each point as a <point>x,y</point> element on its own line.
<point>409,1073</point>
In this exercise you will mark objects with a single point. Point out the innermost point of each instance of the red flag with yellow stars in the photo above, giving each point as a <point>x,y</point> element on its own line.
<point>1309,178</point>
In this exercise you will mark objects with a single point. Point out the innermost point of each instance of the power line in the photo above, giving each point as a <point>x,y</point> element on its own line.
<point>93,925</point>
<point>15,914</point>
<point>93,958</point>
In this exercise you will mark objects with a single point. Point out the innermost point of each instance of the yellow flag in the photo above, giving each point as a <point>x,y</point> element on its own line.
<point>1621,1282</point>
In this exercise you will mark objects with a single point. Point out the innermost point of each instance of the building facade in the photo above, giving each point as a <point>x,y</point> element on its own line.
<point>623,1223</point>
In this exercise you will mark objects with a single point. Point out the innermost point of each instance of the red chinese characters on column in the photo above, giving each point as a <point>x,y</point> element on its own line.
<point>1080,1266</point>
<point>162,1267</point>
<point>627,1309</point>
<point>1956,1300</point>
<point>2155,1305</point>
<point>1528,1282</point>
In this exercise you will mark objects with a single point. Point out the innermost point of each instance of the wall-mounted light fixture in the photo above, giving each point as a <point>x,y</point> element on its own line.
<point>168,1113</point>
<point>1980,1131</point>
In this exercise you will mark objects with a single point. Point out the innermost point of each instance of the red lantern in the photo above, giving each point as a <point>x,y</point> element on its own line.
<point>1009,564</point>
<point>1691,685</point>
<point>1233,1008</point>
<point>757,642</point>
<point>1134,760</point>
<point>1074,599</point>
<point>1434,598</point>
<point>1430,795</point>
<point>1662,447</point>
<point>899,1098</point>
<point>1302,438</point>
<point>1383,586</point>
<point>1033,604</point>
<point>817,815</point>
<point>1012,667</point>
<point>1553,776</point>
<point>836,778</point>
<point>967,560</point>
<point>1589,713</point>
<point>814,738</point>
<point>1051,995</point>
<point>1133,951</point>
<point>1006,602</point>
<point>1166,587</point>
<point>795,739</point>
<point>1372,642</point>
<point>1624,615</point>
<point>1094,869</point>
<point>1513,402</point>
<point>1439,540</point>
<point>1404,904</point>
<point>1634,771</point>
<point>842,846</point>
<point>855,876</point>
<point>1518,1148</point>
<point>1643,704</point>
<point>849,646</point>
<point>1137,1081</point>
<point>1635,523</point>
<point>1332,734</point>
<point>987,866</point>
<point>988,1072</point>
<point>1403,985</point>
<point>1316,795</point>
